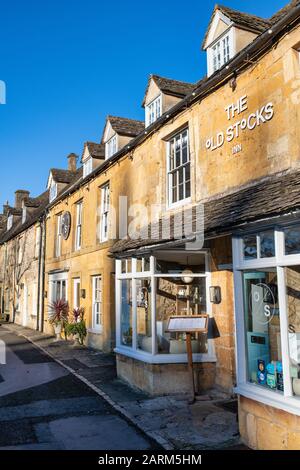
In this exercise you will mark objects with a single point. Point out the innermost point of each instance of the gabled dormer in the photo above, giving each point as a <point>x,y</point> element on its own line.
<point>92,157</point>
<point>118,132</point>
<point>229,32</point>
<point>161,95</point>
<point>58,179</point>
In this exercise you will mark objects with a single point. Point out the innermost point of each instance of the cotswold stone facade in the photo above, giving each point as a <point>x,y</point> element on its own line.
<point>226,148</point>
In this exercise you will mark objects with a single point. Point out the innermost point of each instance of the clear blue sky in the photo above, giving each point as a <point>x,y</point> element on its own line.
<point>67,64</point>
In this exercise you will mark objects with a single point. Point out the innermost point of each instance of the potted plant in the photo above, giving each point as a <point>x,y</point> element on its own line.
<point>58,316</point>
<point>77,327</point>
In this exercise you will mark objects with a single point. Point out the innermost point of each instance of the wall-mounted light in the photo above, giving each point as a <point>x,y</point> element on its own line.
<point>215,294</point>
<point>83,293</point>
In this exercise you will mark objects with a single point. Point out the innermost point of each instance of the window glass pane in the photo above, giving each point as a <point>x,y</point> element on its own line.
<point>263,341</point>
<point>250,247</point>
<point>147,264</point>
<point>174,297</point>
<point>126,313</point>
<point>267,244</point>
<point>176,263</point>
<point>144,328</point>
<point>188,189</point>
<point>292,276</point>
<point>139,265</point>
<point>292,240</point>
<point>123,266</point>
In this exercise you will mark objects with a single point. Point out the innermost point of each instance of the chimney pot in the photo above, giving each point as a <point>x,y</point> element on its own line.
<point>20,196</point>
<point>72,162</point>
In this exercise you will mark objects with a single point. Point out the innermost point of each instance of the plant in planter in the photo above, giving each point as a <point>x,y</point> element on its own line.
<point>77,327</point>
<point>58,316</point>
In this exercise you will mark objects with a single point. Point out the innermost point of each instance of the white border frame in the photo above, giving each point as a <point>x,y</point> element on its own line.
<point>286,401</point>
<point>133,351</point>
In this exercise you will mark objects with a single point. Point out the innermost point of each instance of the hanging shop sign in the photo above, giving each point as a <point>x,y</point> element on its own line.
<point>243,122</point>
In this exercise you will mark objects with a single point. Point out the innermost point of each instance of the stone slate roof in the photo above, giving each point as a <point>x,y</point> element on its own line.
<point>270,197</point>
<point>32,217</point>
<point>96,151</point>
<point>125,127</point>
<point>281,13</point>
<point>63,176</point>
<point>243,20</point>
<point>170,87</point>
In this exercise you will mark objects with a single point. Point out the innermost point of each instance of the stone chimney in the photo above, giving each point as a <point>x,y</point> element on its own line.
<point>72,162</point>
<point>20,196</point>
<point>5,208</point>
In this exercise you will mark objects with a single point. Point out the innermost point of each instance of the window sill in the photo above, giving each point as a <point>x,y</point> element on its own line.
<point>271,398</point>
<point>179,204</point>
<point>163,358</point>
<point>95,331</point>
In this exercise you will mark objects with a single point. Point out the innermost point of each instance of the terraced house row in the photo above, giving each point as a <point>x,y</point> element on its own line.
<point>121,233</point>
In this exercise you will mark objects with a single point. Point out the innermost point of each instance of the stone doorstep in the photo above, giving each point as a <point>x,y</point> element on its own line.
<point>167,426</point>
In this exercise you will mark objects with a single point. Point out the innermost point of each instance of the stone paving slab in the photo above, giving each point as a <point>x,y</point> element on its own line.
<point>170,420</point>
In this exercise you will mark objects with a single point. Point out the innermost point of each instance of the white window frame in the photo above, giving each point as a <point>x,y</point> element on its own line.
<point>78,228</point>
<point>87,167</point>
<point>10,221</point>
<point>229,36</point>
<point>154,110</point>
<point>37,241</point>
<point>54,279</point>
<point>76,283</point>
<point>286,401</point>
<point>58,238</point>
<point>24,214</point>
<point>111,146</point>
<point>170,203</point>
<point>154,357</point>
<point>97,304</point>
<point>104,222</point>
<point>34,299</point>
<point>53,191</point>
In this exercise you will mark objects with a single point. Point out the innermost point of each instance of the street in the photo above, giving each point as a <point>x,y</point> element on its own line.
<point>44,407</point>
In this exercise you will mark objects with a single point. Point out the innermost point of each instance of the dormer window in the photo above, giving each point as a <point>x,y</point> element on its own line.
<point>153,111</point>
<point>24,213</point>
<point>228,33</point>
<point>219,54</point>
<point>53,191</point>
<point>87,167</point>
<point>111,146</point>
<point>10,222</point>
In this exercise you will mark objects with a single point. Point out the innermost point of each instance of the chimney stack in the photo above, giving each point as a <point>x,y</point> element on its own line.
<point>20,196</point>
<point>5,208</point>
<point>72,162</point>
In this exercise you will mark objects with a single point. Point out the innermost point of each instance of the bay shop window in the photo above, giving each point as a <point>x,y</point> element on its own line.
<point>267,305</point>
<point>149,291</point>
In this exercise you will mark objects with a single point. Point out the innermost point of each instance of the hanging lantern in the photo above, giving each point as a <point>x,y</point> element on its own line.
<point>187,276</point>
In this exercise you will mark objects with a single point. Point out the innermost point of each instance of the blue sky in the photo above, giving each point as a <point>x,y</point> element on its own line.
<point>67,64</point>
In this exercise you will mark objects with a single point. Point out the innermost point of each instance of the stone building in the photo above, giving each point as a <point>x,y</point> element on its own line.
<point>195,211</point>
<point>21,268</point>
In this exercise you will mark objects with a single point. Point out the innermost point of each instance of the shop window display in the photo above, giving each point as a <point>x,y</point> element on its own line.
<point>264,357</point>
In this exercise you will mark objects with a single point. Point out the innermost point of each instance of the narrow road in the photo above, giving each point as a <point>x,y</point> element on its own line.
<point>44,407</point>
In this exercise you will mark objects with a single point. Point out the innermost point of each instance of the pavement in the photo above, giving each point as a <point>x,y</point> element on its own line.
<point>77,380</point>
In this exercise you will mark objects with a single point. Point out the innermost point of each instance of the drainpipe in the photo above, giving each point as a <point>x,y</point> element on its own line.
<point>39,275</point>
<point>43,263</point>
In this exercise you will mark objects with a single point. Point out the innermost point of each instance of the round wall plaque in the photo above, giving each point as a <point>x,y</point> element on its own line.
<point>66,225</point>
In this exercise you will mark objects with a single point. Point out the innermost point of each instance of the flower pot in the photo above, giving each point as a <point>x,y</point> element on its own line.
<point>296,387</point>
<point>57,331</point>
